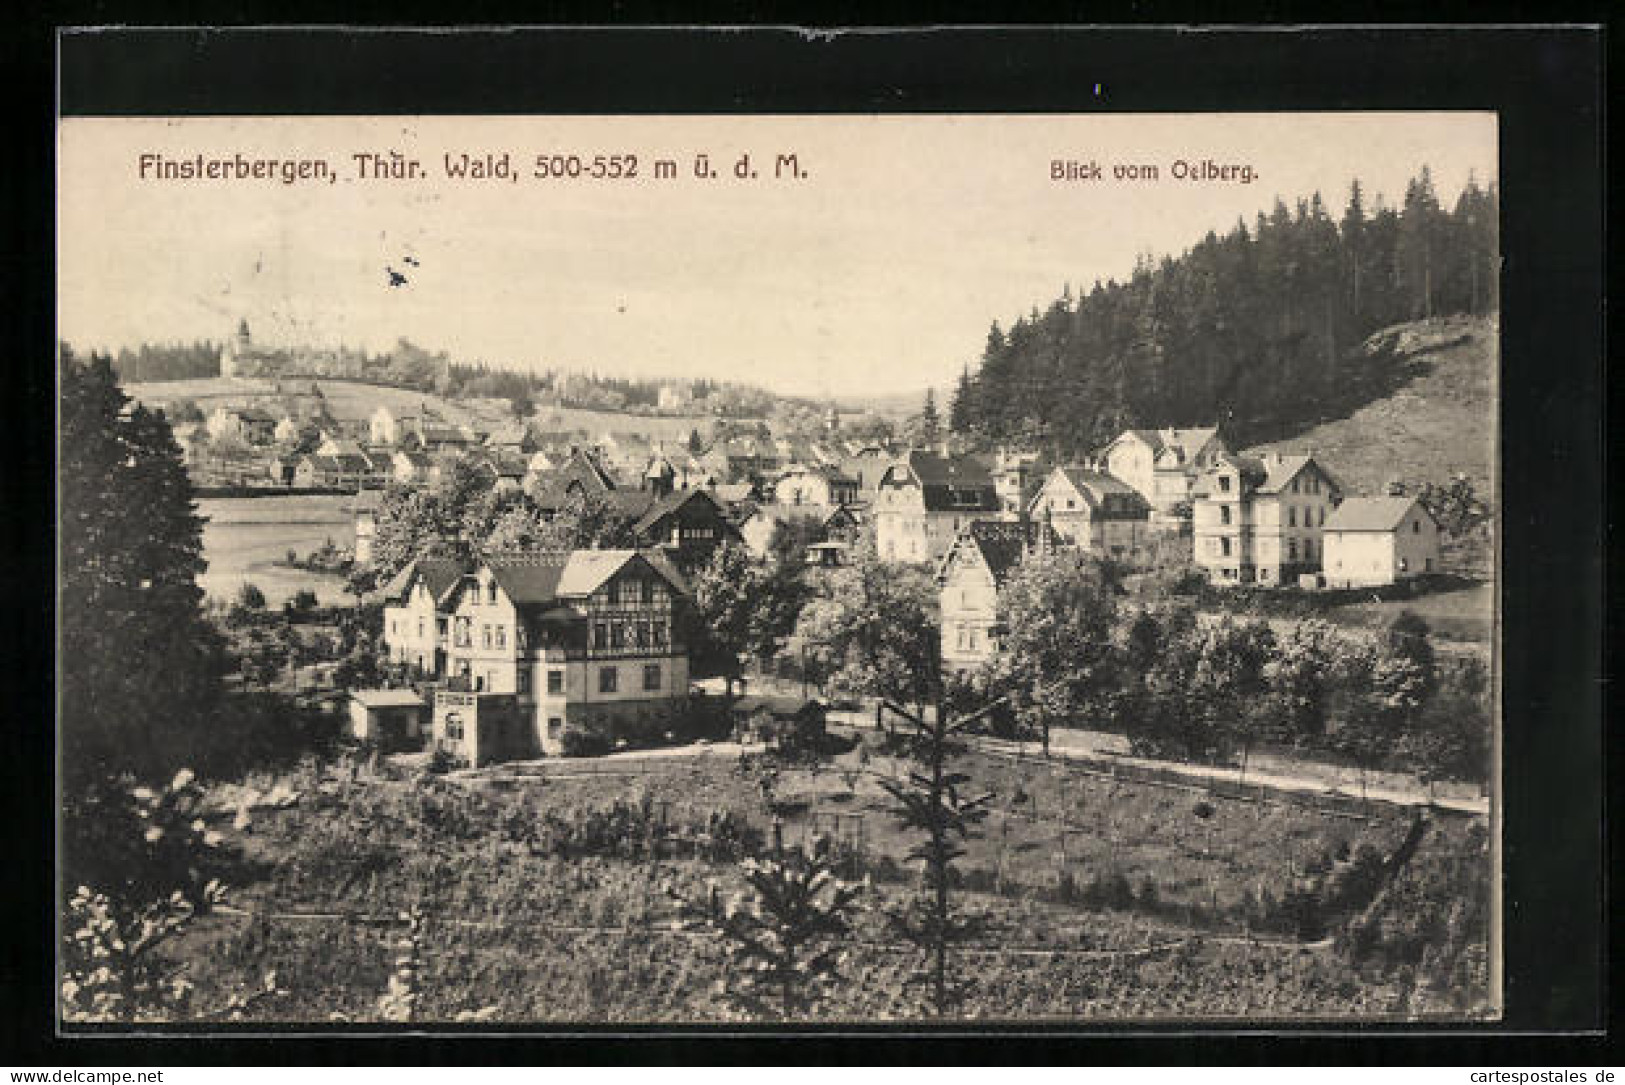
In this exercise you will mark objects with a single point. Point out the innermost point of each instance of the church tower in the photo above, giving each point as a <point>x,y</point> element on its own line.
<point>235,350</point>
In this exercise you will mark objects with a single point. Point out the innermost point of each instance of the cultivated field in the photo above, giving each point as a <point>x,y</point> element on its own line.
<point>546,895</point>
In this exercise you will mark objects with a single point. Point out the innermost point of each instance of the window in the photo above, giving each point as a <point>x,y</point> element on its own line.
<point>1308,550</point>
<point>646,591</point>
<point>607,677</point>
<point>651,676</point>
<point>554,726</point>
<point>522,677</point>
<point>555,681</point>
<point>657,635</point>
<point>502,636</point>
<point>1292,549</point>
<point>617,635</point>
<point>1224,514</point>
<point>1071,504</point>
<point>1224,547</point>
<point>1294,485</point>
<point>454,726</point>
<point>392,625</point>
<point>1291,516</point>
<point>1404,565</point>
<point>600,634</point>
<point>485,634</point>
<point>491,592</point>
<point>1416,527</point>
<point>1224,483</point>
<point>420,628</point>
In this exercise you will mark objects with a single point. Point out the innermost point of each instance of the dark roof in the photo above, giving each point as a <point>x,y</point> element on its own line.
<point>530,580</point>
<point>665,506</point>
<point>1003,543</point>
<point>952,483</point>
<point>438,574</point>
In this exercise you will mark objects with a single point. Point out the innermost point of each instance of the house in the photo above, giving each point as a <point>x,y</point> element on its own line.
<point>415,631</point>
<point>389,427</point>
<point>819,486</point>
<point>1259,519</point>
<point>924,500</point>
<point>1012,471</point>
<point>969,577</point>
<point>686,525</point>
<point>438,437</point>
<point>566,640</point>
<point>411,467</point>
<point>339,471</point>
<point>674,398</point>
<point>287,430</point>
<point>512,438</point>
<point>501,471</point>
<point>1162,465</point>
<point>389,718</point>
<point>1095,512</point>
<point>1370,541</point>
<point>582,475</point>
<point>868,464</point>
<point>247,424</point>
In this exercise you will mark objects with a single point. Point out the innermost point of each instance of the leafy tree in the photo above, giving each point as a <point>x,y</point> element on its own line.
<point>1299,676</point>
<point>1055,654</point>
<point>871,630</point>
<point>249,596</point>
<point>783,938</point>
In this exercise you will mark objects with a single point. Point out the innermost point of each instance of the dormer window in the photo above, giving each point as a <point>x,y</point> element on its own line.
<point>491,592</point>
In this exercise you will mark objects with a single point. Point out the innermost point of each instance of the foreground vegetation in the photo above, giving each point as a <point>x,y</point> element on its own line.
<point>552,899</point>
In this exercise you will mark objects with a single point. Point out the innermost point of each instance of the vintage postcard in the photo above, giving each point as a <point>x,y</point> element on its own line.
<point>697,570</point>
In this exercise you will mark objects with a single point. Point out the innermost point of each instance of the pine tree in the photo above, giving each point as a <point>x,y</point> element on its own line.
<point>140,665</point>
<point>930,421</point>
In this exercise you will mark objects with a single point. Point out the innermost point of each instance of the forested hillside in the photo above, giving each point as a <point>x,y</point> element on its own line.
<point>1260,329</point>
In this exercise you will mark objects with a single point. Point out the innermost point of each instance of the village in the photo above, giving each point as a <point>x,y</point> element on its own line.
<point>509,652</point>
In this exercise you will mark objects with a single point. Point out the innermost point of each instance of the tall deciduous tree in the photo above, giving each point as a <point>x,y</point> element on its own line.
<point>1055,661</point>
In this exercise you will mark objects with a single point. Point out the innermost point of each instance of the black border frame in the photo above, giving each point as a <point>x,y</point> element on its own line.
<point>1545,82</point>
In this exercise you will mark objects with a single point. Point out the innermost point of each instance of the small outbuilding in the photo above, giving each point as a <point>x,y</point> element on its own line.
<point>390,718</point>
<point>1371,541</point>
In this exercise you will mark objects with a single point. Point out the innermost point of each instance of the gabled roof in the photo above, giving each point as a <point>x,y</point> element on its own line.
<point>542,580</point>
<point>439,576</point>
<point>665,506</point>
<point>1371,514</point>
<point>419,460</point>
<point>1095,485</point>
<point>960,471</point>
<point>1001,543</point>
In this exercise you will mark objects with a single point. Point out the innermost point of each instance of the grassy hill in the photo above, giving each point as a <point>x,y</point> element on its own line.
<point>1440,420</point>
<point>352,401</point>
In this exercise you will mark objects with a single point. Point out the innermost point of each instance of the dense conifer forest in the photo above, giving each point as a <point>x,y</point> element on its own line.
<point>1260,329</point>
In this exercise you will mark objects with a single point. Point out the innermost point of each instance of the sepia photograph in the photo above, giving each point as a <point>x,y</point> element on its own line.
<point>786,569</point>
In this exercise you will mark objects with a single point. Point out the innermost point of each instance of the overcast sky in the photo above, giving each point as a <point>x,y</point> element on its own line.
<point>878,272</point>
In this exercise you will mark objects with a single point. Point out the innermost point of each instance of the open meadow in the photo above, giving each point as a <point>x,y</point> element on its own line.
<point>246,540</point>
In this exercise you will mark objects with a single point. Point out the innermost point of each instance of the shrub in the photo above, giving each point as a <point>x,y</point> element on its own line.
<point>579,742</point>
